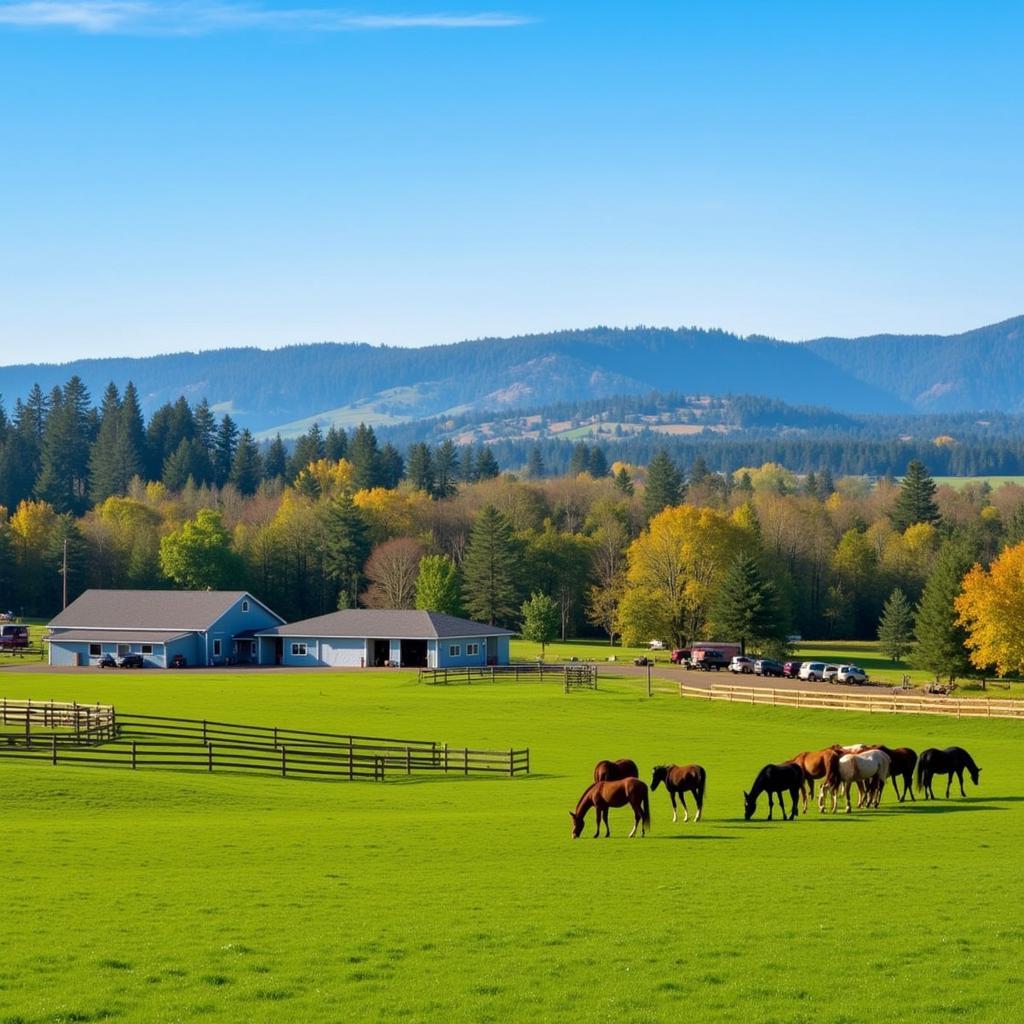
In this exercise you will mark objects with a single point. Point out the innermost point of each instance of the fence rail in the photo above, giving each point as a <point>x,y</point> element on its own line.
<point>82,723</point>
<point>894,703</point>
<point>492,673</point>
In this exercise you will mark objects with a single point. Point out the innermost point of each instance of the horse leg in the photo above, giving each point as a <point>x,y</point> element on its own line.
<point>795,794</point>
<point>699,801</point>
<point>672,797</point>
<point>771,805</point>
<point>949,784</point>
<point>636,820</point>
<point>960,779</point>
<point>908,785</point>
<point>846,793</point>
<point>686,812</point>
<point>607,829</point>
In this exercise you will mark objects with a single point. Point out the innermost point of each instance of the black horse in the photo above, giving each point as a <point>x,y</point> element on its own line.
<point>949,762</point>
<point>775,779</point>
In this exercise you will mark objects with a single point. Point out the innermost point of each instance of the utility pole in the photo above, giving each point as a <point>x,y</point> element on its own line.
<point>649,694</point>
<point>64,572</point>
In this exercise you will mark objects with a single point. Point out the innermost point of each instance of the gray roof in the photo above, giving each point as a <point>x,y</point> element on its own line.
<point>171,610</point>
<point>387,625</point>
<point>121,636</point>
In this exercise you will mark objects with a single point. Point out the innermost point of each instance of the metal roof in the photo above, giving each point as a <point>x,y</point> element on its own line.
<point>112,636</point>
<point>189,610</point>
<point>387,625</point>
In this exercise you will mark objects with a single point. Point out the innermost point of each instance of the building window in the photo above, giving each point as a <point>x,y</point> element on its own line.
<point>245,606</point>
<point>147,648</point>
<point>95,650</point>
<point>472,649</point>
<point>252,648</point>
<point>216,648</point>
<point>454,650</point>
<point>298,650</point>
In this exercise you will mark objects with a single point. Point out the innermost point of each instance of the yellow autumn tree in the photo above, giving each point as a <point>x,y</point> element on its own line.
<point>324,478</point>
<point>391,513</point>
<point>674,566</point>
<point>991,608</point>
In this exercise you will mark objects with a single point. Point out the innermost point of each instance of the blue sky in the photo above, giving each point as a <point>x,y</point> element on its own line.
<point>209,173</point>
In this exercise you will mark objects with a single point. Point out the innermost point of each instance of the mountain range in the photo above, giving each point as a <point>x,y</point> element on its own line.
<point>286,389</point>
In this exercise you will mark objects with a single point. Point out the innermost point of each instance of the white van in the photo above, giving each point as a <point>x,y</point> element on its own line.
<point>812,671</point>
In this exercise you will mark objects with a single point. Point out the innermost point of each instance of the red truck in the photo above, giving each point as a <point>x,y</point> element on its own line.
<point>13,637</point>
<point>711,655</point>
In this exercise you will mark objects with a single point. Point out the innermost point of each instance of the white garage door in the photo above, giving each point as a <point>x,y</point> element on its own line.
<point>336,654</point>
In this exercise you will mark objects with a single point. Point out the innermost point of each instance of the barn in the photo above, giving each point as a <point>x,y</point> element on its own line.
<point>204,627</point>
<point>359,637</point>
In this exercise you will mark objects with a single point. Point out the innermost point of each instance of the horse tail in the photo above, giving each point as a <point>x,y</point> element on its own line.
<point>702,779</point>
<point>645,810</point>
<point>919,781</point>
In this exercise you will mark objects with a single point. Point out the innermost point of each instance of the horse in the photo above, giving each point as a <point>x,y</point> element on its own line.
<point>609,771</point>
<point>949,762</point>
<point>775,779</point>
<point>872,765</point>
<point>814,764</point>
<point>602,795</point>
<point>682,779</point>
<point>903,761</point>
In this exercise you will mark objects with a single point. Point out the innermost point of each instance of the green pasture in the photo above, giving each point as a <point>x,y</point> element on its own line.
<point>993,481</point>
<point>167,896</point>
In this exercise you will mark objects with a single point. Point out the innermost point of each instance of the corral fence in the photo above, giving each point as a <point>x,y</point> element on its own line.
<point>895,703</point>
<point>77,723</point>
<point>151,741</point>
<point>572,675</point>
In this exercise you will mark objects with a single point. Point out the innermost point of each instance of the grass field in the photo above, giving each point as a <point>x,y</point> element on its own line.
<point>163,896</point>
<point>993,481</point>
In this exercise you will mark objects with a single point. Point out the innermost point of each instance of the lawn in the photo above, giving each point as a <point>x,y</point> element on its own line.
<point>959,482</point>
<point>164,896</point>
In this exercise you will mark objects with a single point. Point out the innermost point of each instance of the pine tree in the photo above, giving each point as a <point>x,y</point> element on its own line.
<point>624,482</point>
<point>104,479</point>
<point>205,426</point>
<point>535,464</point>
<point>664,485</point>
<point>130,461</point>
<point>437,586</point>
<point>745,606</point>
<point>486,464</point>
<point>224,446</point>
<point>346,548</point>
<point>308,448</point>
<point>64,466</point>
<point>391,467</point>
<point>826,484</point>
<point>916,500</point>
<point>419,470</point>
<point>365,458</point>
<point>247,466</point>
<point>490,569</point>
<point>446,469</point>
<point>597,465</point>
<point>699,471</point>
<point>580,461</point>
<point>178,467</point>
<point>940,639</point>
<point>540,620</point>
<point>896,626</point>
<point>335,444</point>
<point>275,463</point>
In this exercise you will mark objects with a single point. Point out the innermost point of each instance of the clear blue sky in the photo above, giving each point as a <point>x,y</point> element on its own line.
<point>199,174</point>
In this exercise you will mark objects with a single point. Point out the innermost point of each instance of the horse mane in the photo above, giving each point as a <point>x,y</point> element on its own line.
<point>586,793</point>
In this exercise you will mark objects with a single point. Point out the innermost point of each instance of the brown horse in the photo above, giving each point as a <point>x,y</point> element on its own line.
<point>682,779</point>
<point>609,771</point>
<point>903,762</point>
<point>602,795</point>
<point>814,764</point>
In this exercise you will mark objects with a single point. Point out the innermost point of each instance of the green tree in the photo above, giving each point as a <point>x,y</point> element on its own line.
<point>916,501</point>
<point>419,467</point>
<point>335,444</point>
<point>745,607</point>
<point>246,466</point>
<point>308,448</point>
<point>275,463</point>
<point>624,482</point>
<point>198,555</point>
<point>540,620</point>
<point>103,473</point>
<point>225,444</point>
<point>446,469</point>
<point>438,587</point>
<point>597,465</point>
<point>486,464</point>
<point>490,569</point>
<point>535,464</point>
<point>64,465</point>
<point>391,467</point>
<point>664,485</point>
<point>346,548</point>
<point>940,646</point>
<point>364,455</point>
<point>896,626</point>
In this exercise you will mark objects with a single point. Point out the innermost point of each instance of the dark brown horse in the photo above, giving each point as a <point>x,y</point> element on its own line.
<point>609,771</point>
<point>681,779</point>
<point>814,764</point>
<point>903,761</point>
<point>949,762</point>
<point>775,780</point>
<point>602,795</point>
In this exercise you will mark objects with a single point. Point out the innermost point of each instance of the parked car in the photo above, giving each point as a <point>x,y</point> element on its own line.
<point>131,661</point>
<point>812,671</point>
<point>178,661</point>
<point>830,673</point>
<point>791,669</point>
<point>643,660</point>
<point>708,660</point>
<point>13,637</point>
<point>107,661</point>
<point>852,674</point>
<point>767,667</point>
<point>656,645</point>
<point>680,656</point>
<point>741,665</point>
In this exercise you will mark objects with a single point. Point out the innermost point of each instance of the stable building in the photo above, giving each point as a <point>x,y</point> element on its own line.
<point>194,627</point>
<point>368,638</point>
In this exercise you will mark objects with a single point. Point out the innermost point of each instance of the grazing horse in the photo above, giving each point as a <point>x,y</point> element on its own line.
<point>869,770</point>
<point>814,764</point>
<point>903,761</point>
<point>682,779</point>
<point>602,795</point>
<point>609,771</point>
<point>951,761</point>
<point>775,779</point>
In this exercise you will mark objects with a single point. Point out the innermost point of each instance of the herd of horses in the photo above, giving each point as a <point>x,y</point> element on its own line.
<point>838,768</point>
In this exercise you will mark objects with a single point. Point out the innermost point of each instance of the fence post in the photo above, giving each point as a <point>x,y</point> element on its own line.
<point>134,756</point>
<point>54,757</point>
<point>351,763</point>
<point>408,761</point>
<point>465,760</point>
<point>446,757</point>
<point>527,760</point>
<point>511,762</point>
<point>209,757</point>
<point>284,762</point>
<point>28,722</point>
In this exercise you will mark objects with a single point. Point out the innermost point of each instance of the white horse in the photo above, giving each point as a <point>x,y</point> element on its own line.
<point>869,770</point>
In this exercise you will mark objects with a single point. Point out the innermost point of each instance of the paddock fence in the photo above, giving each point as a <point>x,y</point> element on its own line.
<point>571,675</point>
<point>152,741</point>
<point>872,703</point>
<point>76,723</point>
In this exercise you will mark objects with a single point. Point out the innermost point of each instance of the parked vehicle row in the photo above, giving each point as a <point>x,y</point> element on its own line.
<point>717,657</point>
<point>122,661</point>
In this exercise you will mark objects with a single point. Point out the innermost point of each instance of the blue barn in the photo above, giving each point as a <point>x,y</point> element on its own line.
<point>357,637</point>
<point>204,627</point>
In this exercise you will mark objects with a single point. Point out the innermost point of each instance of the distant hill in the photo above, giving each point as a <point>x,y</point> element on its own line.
<point>290,387</point>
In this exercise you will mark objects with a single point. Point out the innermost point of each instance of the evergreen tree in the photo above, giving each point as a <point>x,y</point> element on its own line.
<point>205,427</point>
<point>540,620</point>
<point>37,409</point>
<point>624,482</point>
<point>745,607</point>
<point>664,485</point>
<point>826,485</point>
<point>103,472</point>
<point>392,467</point>
<point>490,569</point>
<point>167,427</point>
<point>419,469</point>
<point>468,462</point>
<point>896,626</point>
<point>346,548</point>
<point>535,464</point>
<point>940,639</point>
<point>308,448</point>
<point>247,466</point>
<point>335,444</point>
<point>486,464</point>
<point>364,455</point>
<point>811,485</point>
<point>699,471</point>
<point>64,466</point>
<point>446,469</point>
<point>179,466</point>
<point>437,586</point>
<point>131,441</point>
<point>916,500</point>
<point>580,461</point>
<point>224,446</point>
<point>597,465</point>
<point>275,463</point>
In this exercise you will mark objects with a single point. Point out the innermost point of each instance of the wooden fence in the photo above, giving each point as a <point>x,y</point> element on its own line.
<point>872,703</point>
<point>145,741</point>
<point>78,723</point>
<point>493,673</point>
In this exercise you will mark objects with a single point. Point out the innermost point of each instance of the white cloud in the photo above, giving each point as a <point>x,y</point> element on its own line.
<point>191,17</point>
